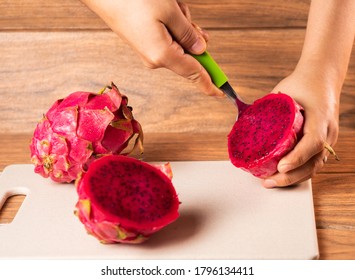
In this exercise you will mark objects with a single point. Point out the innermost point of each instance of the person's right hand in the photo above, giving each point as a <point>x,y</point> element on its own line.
<point>162,33</point>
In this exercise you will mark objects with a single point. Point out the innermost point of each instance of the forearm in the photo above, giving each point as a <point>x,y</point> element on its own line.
<point>329,40</point>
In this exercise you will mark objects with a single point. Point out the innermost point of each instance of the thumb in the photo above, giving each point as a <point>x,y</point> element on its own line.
<point>185,34</point>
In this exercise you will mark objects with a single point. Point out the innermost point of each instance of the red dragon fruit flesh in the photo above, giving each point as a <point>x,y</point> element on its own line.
<point>125,200</point>
<point>81,127</point>
<point>264,133</point>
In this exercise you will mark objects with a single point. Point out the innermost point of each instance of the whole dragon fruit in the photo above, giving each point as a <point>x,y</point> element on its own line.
<point>125,200</point>
<point>80,128</point>
<point>265,132</point>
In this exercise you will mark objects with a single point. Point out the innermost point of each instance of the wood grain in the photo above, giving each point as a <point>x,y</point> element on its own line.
<point>336,244</point>
<point>57,63</point>
<point>14,148</point>
<point>10,208</point>
<point>51,48</point>
<point>73,15</point>
<point>334,196</point>
<point>333,187</point>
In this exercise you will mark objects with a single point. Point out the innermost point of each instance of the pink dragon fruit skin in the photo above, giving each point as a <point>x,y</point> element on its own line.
<point>264,133</point>
<point>125,200</point>
<point>80,128</point>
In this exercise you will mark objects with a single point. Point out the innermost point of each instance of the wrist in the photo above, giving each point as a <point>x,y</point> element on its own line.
<point>324,73</point>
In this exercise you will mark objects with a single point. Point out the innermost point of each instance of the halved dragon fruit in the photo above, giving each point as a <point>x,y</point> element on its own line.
<point>264,133</point>
<point>125,200</point>
<point>80,128</point>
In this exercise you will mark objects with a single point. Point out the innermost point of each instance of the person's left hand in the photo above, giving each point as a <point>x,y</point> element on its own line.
<point>321,111</point>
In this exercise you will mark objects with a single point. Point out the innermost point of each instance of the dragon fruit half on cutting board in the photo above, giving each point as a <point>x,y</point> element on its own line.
<point>125,200</point>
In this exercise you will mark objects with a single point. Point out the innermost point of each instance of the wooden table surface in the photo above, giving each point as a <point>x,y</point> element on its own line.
<point>51,48</point>
<point>333,187</point>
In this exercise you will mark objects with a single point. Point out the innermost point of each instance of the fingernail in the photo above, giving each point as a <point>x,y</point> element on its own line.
<point>325,159</point>
<point>283,168</point>
<point>199,46</point>
<point>269,183</point>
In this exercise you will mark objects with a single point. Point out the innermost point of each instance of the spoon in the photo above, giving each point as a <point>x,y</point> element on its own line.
<point>220,80</point>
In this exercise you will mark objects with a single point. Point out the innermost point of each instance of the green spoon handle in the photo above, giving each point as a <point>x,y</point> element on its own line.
<point>217,75</point>
<point>220,79</point>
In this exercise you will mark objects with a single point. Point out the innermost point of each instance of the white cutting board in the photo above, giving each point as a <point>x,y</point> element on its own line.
<point>225,214</point>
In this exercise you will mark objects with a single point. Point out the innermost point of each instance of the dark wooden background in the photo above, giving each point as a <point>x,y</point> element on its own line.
<point>51,48</point>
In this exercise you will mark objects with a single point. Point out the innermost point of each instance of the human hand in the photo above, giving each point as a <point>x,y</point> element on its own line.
<point>321,110</point>
<point>160,32</point>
